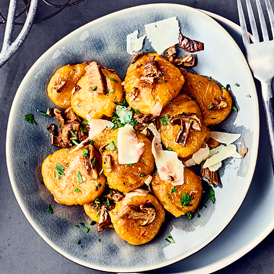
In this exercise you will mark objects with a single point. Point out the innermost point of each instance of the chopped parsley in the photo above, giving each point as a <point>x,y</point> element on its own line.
<point>111,146</point>
<point>169,148</point>
<point>93,223</point>
<point>30,118</point>
<point>173,189</point>
<point>79,178</point>
<point>73,134</point>
<point>101,171</point>
<point>165,81</point>
<point>43,113</point>
<point>201,82</point>
<point>107,202</point>
<point>111,91</point>
<point>141,175</point>
<point>77,190</point>
<point>94,161</point>
<point>209,107</point>
<point>84,123</point>
<point>94,88</point>
<point>113,126</point>
<point>211,193</point>
<point>98,213</point>
<point>248,95</point>
<point>74,142</point>
<point>237,85</point>
<point>234,108</point>
<point>189,215</point>
<point>85,152</point>
<point>79,242</point>
<point>170,239</point>
<point>112,79</point>
<point>59,169</point>
<point>49,209</point>
<point>186,200</point>
<point>198,215</point>
<point>87,229</point>
<point>164,120</point>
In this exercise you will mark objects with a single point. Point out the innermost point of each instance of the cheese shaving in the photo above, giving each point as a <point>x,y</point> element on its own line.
<point>134,44</point>
<point>163,34</point>
<point>129,148</point>
<point>224,137</point>
<point>170,168</point>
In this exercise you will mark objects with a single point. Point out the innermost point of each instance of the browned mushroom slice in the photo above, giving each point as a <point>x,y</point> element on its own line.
<point>58,87</point>
<point>146,213</point>
<point>64,133</point>
<point>70,115</point>
<point>143,118</point>
<point>59,117</point>
<point>97,81</point>
<point>187,122</point>
<point>212,143</point>
<point>105,220</point>
<point>243,148</point>
<point>189,45</point>
<point>108,163</point>
<point>133,94</point>
<point>90,163</point>
<point>54,140</point>
<point>186,61</point>
<point>115,196</point>
<point>218,104</point>
<point>170,54</point>
<point>151,71</point>
<point>136,57</point>
<point>211,176</point>
<point>184,72</point>
<point>50,112</point>
<point>52,129</point>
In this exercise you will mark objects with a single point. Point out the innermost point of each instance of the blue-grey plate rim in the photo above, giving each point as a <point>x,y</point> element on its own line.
<point>10,156</point>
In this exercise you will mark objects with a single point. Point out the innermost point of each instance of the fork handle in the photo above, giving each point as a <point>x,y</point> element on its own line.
<point>268,102</point>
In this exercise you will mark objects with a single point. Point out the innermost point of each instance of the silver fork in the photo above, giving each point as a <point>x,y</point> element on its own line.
<point>260,56</point>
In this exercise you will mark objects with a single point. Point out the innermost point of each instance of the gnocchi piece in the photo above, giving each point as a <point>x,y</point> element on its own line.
<point>181,126</point>
<point>62,83</point>
<point>138,217</point>
<point>74,177</point>
<point>97,92</point>
<point>151,83</point>
<point>215,103</point>
<point>181,199</point>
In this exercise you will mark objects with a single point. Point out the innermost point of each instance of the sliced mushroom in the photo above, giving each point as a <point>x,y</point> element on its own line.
<point>59,86</point>
<point>151,71</point>
<point>64,133</point>
<point>90,168</point>
<point>52,128</point>
<point>70,115</point>
<point>212,143</point>
<point>243,148</point>
<point>132,95</point>
<point>186,61</point>
<point>107,162</point>
<point>211,176</point>
<point>105,220</point>
<point>54,140</point>
<point>96,79</point>
<point>50,112</point>
<point>170,54</point>
<point>184,72</point>
<point>146,213</point>
<point>143,118</point>
<point>189,45</point>
<point>187,122</point>
<point>59,117</point>
<point>218,104</point>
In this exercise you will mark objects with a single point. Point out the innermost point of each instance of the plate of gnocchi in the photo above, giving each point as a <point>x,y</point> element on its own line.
<point>137,143</point>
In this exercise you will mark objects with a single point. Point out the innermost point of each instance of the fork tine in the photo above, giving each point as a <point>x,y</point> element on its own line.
<point>252,22</point>
<point>242,23</point>
<point>262,21</point>
<point>270,15</point>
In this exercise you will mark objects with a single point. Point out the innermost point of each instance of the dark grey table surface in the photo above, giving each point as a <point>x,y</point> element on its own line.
<point>22,250</point>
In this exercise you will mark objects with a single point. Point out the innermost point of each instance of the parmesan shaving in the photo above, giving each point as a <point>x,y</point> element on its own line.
<point>134,44</point>
<point>163,34</point>
<point>201,155</point>
<point>130,149</point>
<point>97,126</point>
<point>170,168</point>
<point>215,167</point>
<point>224,137</point>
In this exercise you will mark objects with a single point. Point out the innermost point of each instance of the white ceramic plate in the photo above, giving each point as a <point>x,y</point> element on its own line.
<point>104,40</point>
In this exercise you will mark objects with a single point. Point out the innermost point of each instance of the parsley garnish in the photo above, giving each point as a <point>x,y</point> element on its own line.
<point>79,178</point>
<point>59,169</point>
<point>87,229</point>
<point>93,223</point>
<point>234,108</point>
<point>74,142</point>
<point>169,148</point>
<point>30,118</point>
<point>173,189</point>
<point>237,85</point>
<point>248,95</point>
<point>94,88</point>
<point>107,202</point>
<point>111,146</point>
<point>186,200</point>
<point>209,107</point>
<point>141,175</point>
<point>170,239</point>
<point>111,91</point>
<point>165,81</point>
<point>77,190</point>
<point>98,213</point>
<point>114,126</point>
<point>164,120</point>
<point>84,123</point>
<point>198,215</point>
<point>189,215</point>
<point>50,209</point>
<point>101,171</point>
<point>112,79</point>
<point>43,113</point>
<point>211,193</point>
<point>94,161</point>
<point>79,242</point>
<point>85,152</point>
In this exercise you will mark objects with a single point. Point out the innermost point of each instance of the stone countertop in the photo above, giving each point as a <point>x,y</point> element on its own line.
<point>22,250</point>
